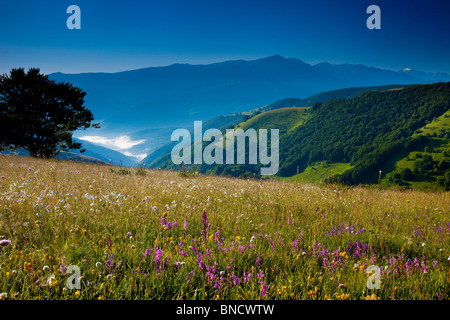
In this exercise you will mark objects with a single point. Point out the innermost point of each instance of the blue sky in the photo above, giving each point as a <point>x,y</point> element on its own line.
<point>124,35</point>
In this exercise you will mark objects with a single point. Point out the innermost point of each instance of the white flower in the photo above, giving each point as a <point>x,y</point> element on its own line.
<point>3,296</point>
<point>45,268</point>
<point>98,264</point>
<point>109,276</point>
<point>423,244</point>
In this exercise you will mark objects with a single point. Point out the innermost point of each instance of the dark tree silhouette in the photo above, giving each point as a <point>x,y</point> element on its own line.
<point>39,114</point>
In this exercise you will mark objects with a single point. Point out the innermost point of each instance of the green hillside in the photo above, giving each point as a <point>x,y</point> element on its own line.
<point>404,132</point>
<point>427,165</point>
<point>373,132</point>
<point>159,157</point>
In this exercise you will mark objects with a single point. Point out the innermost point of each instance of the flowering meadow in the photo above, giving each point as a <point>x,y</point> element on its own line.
<point>147,234</point>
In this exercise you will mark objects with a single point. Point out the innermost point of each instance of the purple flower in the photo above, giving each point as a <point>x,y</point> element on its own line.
<point>185,226</point>
<point>189,276</point>
<point>260,277</point>
<point>5,242</point>
<point>204,219</point>
<point>62,268</point>
<point>258,260</point>
<point>235,279</point>
<point>264,290</point>
<point>148,252</point>
<point>128,234</point>
<point>206,225</point>
<point>247,276</point>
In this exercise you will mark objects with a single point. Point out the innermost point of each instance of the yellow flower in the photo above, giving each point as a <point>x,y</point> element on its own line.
<point>84,231</point>
<point>217,297</point>
<point>292,295</point>
<point>343,296</point>
<point>165,213</point>
<point>283,288</point>
<point>27,266</point>
<point>101,298</point>
<point>76,294</point>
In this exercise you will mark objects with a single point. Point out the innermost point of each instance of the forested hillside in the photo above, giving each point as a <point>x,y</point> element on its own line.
<point>356,137</point>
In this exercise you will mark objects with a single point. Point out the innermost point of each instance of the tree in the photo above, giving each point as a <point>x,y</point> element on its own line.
<point>39,114</point>
<point>406,174</point>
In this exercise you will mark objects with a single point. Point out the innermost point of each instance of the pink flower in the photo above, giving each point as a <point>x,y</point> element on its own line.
<point>5,242</point>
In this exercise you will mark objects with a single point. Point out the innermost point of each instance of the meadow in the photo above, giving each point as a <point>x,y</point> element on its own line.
<point>153,234</point>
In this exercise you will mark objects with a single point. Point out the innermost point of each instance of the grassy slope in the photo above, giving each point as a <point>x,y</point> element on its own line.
<point>319,172</point>
<point>435,146</point>
<point>284,119</point>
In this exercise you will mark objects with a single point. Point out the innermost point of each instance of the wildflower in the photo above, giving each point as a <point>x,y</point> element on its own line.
<point>62,268</point>
<point>98,264</point>
<point>185,226</point>
<point>5,242</point>
<point>247,276</point>
<point>45,268</point>
<point>77,294</point>
<point>128,234</point>
<point>264,290</point>
<point>258,260</point>
<point>3,296</point>
<point>341,285</point>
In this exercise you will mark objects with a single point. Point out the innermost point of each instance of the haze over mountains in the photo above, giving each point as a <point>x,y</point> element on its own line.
<point>147,104</point>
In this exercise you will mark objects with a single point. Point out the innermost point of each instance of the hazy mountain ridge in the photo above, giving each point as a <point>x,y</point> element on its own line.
<point>157,98</point>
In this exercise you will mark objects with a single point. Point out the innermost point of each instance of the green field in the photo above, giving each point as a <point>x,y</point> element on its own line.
<point>154,234</point>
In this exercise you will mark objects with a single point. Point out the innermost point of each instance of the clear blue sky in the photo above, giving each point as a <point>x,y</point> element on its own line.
<point>123,35</point>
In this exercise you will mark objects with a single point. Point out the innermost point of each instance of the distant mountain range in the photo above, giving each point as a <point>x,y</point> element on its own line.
<point>149,103</point>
